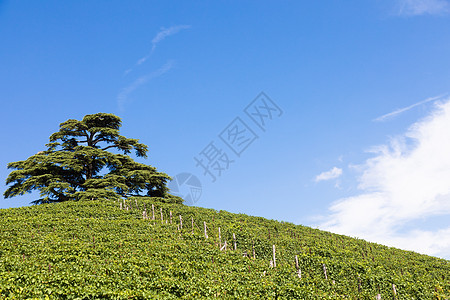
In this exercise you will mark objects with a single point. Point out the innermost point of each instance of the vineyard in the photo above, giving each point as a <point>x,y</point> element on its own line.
<point>104,249</point>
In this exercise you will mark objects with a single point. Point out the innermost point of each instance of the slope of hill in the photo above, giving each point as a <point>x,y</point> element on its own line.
<point>96,250</point>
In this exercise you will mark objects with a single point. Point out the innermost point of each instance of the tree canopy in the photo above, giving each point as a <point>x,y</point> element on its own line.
<point>78,164</point>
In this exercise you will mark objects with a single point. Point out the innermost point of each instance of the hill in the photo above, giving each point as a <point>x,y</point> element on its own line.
<point>108,250</point>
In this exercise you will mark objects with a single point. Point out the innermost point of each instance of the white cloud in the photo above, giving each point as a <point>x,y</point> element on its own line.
<point>407,180</point>
<point>161,35</point>
<point>123,95</point>
<point>423,7</point>
<point>331,174</point>
<point>165,32</point>
<point>401,110</point>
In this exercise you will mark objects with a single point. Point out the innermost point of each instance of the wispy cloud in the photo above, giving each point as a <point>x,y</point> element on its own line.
<point>401,110</point>
<point>403,183</point>
<point>165,32</point>
<point>161,35</point>
<point>331,174</point>
<point>423,7</point>
<point>123,95</point>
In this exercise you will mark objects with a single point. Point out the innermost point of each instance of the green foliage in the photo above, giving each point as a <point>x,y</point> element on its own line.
<point>71,168</point>
<point>95,250</point>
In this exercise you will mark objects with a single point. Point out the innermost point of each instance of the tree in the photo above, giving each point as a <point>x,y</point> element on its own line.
<point>78,165</point>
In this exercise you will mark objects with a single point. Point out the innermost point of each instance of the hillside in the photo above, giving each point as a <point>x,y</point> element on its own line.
<point>96,250</point>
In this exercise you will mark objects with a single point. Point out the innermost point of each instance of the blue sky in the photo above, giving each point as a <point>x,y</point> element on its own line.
<point>358,146</point>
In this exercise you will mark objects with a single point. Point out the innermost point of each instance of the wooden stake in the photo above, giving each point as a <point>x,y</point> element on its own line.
<point>181,223</point>
<point>220,240</point>
<point>325,271</point>
<point>137,207</point>
<point>274,259</point>
<point>192,223</point>
<point>170,214</point>
<point>224,247</point>
<point>394,291</point>
<point>160,209</point>
<point>234,241</point>
<point>253,249</point>
<point>204,227</point>
<point>120,205</point>
<point>153,212</point>
<point>299,272</point>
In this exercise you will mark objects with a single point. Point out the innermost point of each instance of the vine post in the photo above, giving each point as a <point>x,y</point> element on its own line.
<point>204,227</point>
<point>299,272</point>
<point>274,259</point>
<point>394,291</point>
<point>224,247</point>
<point>253,249</point>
